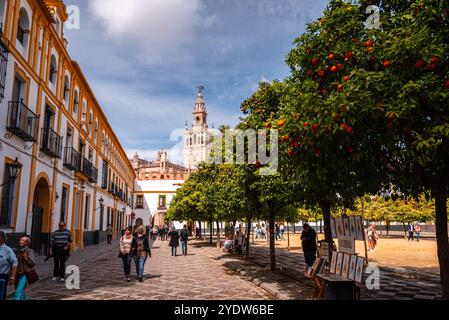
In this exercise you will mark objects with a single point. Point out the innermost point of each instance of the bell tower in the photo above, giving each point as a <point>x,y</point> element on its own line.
<point>198,137</point>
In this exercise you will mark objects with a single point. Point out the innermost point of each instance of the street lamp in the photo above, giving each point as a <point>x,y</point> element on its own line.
<point>13,171</point>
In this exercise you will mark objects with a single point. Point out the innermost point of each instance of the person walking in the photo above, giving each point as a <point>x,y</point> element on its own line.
<point>282,229</point>
<point>417,231</point>
<point>109,232</point>
<point>174,241</point>
<point>277,232</point>
<point>60,243</point>
<point>166,231</point>
<point>125,252</point>
<point>309,247</point>
<point>372,237</point>
<point>155,233</point>
<point>184,240</point>
<point>411,231</point>
<point>8,266</point>
<point>141,250</point>
<point>25,270</point>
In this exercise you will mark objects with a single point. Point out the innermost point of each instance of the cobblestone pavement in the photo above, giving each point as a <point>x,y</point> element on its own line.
<point>196,277</point>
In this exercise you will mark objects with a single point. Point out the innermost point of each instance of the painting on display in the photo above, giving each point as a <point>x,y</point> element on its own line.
<point>352,267</point>
<point>352,228</point>
<point>345,266</point>
<point>340,256</point>
<point>346,228</point>
<point>359,269</point>
<point>360,234</point>
<point>333,262</point>
<point>339,226</point>
<point>333,228</point>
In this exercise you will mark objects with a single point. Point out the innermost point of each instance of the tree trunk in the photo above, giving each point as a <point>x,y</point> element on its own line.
<point>218,234</point>
<point>326,209</point>
<point>442,239</point>
<point>294,228</point>
<point>198,236</point>
<point>388,228</point>
<point>321,226</point>
<point>405,229</point>
<point>272,242</point>
<point>248,234</point>
<point>210,230</point>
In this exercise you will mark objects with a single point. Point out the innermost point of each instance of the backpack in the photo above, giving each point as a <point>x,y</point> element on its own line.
<point>184,234</point>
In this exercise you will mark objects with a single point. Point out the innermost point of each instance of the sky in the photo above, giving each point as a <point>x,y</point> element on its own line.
<point>144,60</point>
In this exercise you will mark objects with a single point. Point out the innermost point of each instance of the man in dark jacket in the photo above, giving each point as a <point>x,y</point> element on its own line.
<point>184,240</point>
<point>308,238</point>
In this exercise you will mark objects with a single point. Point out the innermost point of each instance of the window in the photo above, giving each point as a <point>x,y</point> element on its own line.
<point>66,88</point>
<point>23,28</point>
<point>90,123</point>
<point>96,131</point>
<point>104,178</point>
<point>139,204</point>
<point>3,67</point>
<point>53,69</point>
<point>63,203</point>
<point>162,201</point>
<point>86,214</point>
<point>76,102</point>
<point>69,139</point>
<point>8,196</point>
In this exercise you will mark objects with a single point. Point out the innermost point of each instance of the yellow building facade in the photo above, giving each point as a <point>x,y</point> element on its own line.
<point>59,156</point>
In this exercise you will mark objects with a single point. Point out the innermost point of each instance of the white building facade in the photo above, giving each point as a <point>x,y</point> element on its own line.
<point>53,130</point>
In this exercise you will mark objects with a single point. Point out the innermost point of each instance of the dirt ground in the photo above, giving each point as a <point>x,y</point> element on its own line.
<point>419,256</point>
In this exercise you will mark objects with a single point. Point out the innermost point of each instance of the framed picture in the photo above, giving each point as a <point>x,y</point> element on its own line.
<point>360,233</point>
<point>352,227</point>
<point>359,269</point>
<point>316,267</point>
<point>345,266</point>
<point>340,256</point>
<point>333,262</point>
<point>346,245</point>
<point>339,226</point>
<point>322,266</point>
<point>346,228</point>
<point>333,228</point>
<point>352,266</point>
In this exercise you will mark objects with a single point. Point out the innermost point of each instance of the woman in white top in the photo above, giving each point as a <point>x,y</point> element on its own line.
<point>125,249</point>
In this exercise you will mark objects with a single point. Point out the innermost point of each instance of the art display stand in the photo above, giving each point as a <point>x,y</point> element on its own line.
<point>341,276</point>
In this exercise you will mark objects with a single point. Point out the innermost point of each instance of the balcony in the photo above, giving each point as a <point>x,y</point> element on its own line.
<point>72,159</point>
<point>88,170</point>
<point>111,190</point>
<point>51,143</point>
<point>94,177</point>
<point>22,121</point>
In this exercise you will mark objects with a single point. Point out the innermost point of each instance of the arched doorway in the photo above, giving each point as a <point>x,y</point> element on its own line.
<point>159,219</point>
<point>40,225</point>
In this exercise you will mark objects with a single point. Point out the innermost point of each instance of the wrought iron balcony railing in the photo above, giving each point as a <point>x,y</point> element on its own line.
<point>72,159</point>
<point>22,121</point>
<point>51,143</point>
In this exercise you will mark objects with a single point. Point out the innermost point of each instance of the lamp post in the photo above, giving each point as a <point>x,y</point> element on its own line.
<point>13,171</point>
<point>101,201</point>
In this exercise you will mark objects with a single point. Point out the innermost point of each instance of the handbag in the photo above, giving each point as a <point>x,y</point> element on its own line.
<point>32,277</point>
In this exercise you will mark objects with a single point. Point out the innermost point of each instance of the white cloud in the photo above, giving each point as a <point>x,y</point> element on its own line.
<point>155,27</point>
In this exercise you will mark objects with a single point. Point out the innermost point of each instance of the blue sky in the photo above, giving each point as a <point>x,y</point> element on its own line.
<point>145,58</point>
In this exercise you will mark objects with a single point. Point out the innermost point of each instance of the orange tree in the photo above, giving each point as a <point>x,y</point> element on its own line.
<point>387,91</point>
